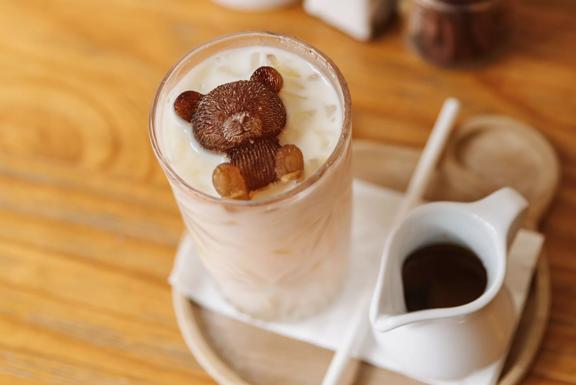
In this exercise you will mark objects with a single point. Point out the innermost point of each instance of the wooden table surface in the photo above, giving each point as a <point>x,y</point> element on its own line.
<point>88,226</point>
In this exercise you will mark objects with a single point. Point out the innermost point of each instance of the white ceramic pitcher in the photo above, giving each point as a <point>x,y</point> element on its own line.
<point>449,343</point>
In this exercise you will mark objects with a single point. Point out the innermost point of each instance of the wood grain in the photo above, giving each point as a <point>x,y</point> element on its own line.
<point>88,226</point>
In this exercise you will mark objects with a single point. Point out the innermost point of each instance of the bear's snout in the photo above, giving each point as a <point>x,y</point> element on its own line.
<point>242,126</point>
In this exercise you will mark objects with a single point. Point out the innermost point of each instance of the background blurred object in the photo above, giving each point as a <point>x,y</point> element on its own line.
<point>256,5</point>
<point>442,32</point>
<point>359,18</point>
<point>453,32</point>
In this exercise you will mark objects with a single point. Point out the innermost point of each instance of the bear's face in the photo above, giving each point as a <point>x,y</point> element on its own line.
<point>237,113</point>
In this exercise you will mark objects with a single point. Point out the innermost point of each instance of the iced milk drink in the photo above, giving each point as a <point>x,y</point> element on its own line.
<point>283,253</point>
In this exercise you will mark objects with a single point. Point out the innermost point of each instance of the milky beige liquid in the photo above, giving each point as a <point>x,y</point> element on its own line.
<point>285,259</point>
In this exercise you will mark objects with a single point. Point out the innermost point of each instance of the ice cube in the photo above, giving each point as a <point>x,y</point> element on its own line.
<point>290,72</point>
<point>272,60</point>
<point>255,60</point>
<point>323,139</point>
<point>330,110</point>
<point>313,77</point>
<point>293,96</point>
<point>304,115</point>
<point>198,81</point>
<point>228,70</point>
<point>293,85</point>
<point>291,134</point>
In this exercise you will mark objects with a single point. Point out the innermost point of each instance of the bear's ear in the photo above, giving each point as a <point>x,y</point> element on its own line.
<point>269,77</point>
<point>186,104</point>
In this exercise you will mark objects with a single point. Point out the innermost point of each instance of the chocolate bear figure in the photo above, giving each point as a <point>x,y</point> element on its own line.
<point>243,119</point>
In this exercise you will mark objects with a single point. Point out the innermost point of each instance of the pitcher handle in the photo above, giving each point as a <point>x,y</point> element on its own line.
<point>504,211</point>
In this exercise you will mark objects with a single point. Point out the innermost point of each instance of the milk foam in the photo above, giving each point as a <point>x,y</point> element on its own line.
<point>313,108</point>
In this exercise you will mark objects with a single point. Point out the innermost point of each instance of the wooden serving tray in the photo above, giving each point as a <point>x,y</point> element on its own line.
<point>485,153</point>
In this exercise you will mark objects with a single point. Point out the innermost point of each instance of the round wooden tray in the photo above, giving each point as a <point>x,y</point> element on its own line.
<point>485,153</point>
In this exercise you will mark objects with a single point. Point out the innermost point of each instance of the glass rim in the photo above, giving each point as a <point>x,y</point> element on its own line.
<point>345,134</point>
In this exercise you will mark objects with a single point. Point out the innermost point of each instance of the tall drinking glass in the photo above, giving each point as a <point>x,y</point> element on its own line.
<point>280,257</point>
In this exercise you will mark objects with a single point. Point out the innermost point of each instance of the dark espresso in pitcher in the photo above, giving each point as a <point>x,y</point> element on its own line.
<point>442,275</point>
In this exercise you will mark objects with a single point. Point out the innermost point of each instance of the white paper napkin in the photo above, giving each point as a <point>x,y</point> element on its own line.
<point>374,207</point>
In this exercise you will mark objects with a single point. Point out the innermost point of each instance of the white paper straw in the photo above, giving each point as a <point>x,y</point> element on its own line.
<point>359,323</point>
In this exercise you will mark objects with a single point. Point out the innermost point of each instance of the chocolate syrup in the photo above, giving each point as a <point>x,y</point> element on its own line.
<point>442,275</point>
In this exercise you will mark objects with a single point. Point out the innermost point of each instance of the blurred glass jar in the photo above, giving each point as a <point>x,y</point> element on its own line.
<point>256,5</point>
<point>457,32</point>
